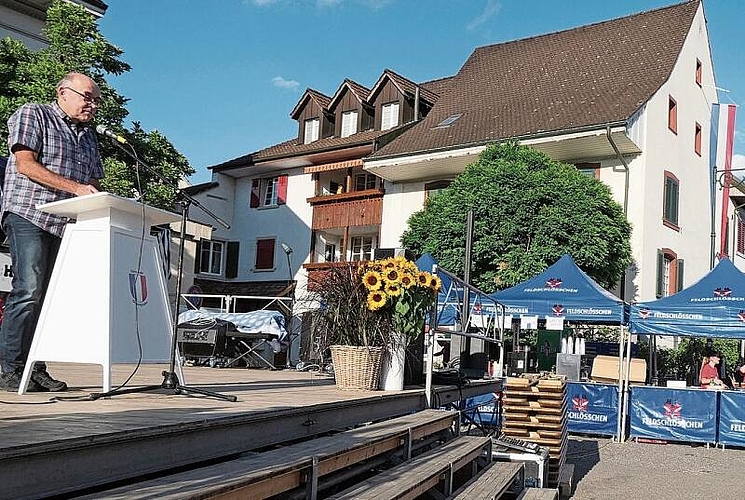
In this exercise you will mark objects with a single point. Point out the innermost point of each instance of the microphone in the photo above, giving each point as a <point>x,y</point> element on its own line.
<point>103,130</point>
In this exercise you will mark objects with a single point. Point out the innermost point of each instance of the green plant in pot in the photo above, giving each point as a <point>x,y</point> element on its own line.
<point>369,313</point>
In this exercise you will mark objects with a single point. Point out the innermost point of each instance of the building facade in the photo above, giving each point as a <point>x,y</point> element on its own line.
<point>628,101</point>
<point>24,19</point>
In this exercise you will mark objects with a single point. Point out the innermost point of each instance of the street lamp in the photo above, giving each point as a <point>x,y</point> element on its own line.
<point>288,252</point>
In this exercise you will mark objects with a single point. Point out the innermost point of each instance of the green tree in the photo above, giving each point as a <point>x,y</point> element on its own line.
<point>75,44</point>
<point>528,211</point>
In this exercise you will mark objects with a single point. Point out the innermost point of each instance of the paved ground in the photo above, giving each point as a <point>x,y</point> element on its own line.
<point>637,471</point>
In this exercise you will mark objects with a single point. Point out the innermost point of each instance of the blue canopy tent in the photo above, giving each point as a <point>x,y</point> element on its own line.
<point>714,306</point>
<point>450,297</point>
<point>563,290</point>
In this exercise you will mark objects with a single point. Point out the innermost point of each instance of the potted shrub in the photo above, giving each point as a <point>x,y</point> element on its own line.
<point>368,313</point>
<point>398,290</point>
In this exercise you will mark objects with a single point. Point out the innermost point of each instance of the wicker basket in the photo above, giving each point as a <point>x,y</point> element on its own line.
<point>356,367</point>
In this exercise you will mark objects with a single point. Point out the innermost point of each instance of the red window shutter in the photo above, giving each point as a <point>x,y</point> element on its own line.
<point>255,193</point>
<point>281,190</point>
<point>740,236</point>
<point>265,254</point>
<point>672,116</point>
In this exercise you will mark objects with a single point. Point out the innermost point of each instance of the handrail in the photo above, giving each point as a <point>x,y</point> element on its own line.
<point>492,331</point>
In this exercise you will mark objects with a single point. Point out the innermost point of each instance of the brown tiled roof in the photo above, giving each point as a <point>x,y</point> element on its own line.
<point>405,85</point>
<point>322,100</point>
<point>292,148</point>
<point>591,75</point>
<point>360,91</point>
<point>279,288</point>
<point>437,87</point>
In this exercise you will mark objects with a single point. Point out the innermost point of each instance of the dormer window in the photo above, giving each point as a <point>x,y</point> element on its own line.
<point>348,123</point>
<point>311,130</point>
<point>389,117</point>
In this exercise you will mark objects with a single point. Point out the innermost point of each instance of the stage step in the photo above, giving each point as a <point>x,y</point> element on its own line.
<point>539,494</point>
<point>423,473</point>
<point>493,482</point>
<point>262,475</point>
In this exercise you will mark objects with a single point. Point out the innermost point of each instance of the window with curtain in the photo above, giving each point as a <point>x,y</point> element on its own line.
<point>211,257</point>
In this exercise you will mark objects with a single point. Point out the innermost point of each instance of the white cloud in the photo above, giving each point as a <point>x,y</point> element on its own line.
<point>280,82</point>
<point>738,161</point>
<point>491,9</point>
<point>328,3</point>
<point>263,3</point>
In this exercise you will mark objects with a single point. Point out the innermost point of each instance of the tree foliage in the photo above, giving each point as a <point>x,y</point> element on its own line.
<point>75,44</point>
<point>528,210</point>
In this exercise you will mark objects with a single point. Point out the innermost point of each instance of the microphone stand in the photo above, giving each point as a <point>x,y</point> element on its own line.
<point>170,378</point>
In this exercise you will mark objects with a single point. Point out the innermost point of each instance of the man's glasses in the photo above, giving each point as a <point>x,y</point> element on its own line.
<point>87,97</point>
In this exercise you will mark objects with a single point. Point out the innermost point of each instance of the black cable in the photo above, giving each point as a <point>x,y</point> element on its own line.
<point>138,336</point>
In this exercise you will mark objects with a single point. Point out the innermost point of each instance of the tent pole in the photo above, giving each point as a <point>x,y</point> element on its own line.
<point>620,381</point>
<point>431,333</point>
<point>627,392</point>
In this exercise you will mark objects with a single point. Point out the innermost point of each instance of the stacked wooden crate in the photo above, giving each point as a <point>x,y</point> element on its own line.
<point>535,410</point>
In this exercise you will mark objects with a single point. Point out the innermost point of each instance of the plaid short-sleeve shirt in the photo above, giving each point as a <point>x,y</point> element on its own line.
<point>63,147</point>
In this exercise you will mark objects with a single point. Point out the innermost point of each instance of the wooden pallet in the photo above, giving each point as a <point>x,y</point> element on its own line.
<point>535,410</point>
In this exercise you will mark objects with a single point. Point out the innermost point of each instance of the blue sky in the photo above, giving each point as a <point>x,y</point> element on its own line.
<point>219,78</point>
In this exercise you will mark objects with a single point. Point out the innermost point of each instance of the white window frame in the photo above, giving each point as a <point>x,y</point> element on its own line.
<point>311,129</point>
<point>348,123</point>
<point>667,266</point>
<point>357,248</point>
<point>269,191</point>
<point>389,115</point>
<point>214,250</point>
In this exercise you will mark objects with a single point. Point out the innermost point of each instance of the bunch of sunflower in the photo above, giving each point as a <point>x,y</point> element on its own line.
<point>389,279</point>
<point>400,291</point>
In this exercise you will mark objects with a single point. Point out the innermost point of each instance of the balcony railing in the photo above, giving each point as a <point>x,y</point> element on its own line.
<point>358,208</point>
<point>318,270</point>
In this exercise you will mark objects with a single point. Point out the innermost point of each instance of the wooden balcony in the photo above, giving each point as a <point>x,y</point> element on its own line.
<point>358,208</point>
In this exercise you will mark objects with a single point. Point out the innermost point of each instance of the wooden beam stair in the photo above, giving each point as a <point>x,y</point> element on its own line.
<point>298,466</point>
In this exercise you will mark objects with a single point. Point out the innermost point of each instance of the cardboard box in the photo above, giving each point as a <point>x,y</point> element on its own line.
<point>605,369</point>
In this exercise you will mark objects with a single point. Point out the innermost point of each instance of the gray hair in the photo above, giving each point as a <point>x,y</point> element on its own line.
<point>70,78</point>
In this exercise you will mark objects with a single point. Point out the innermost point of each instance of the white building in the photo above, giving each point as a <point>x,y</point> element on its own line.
<point>24,19</point>
<point>629,100</point>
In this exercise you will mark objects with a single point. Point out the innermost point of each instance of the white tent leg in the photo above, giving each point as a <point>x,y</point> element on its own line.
<point>627,392</point>
<point>430,363</point>
<point>620,382</point>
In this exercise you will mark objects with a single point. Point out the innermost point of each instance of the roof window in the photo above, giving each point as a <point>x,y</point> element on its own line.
<point>449,120</point>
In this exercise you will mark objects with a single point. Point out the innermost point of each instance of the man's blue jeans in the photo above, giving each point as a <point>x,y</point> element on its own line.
<point>33,252</point>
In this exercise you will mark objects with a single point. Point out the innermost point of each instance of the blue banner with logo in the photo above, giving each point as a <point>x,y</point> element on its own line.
<point>731,418</point>
<point>483,409</point>
<point>592,408</point>
<point>674,414</point>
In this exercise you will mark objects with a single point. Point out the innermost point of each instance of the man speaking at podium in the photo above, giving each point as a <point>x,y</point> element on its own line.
<point>54,155</point>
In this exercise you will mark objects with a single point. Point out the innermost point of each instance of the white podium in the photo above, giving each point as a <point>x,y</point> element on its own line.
<point>107,298</point>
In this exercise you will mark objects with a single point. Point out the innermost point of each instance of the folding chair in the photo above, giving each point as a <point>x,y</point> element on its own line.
<point>247,351</point>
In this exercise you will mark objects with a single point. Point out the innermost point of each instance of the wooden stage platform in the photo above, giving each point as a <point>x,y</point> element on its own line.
<point>53,444</point>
